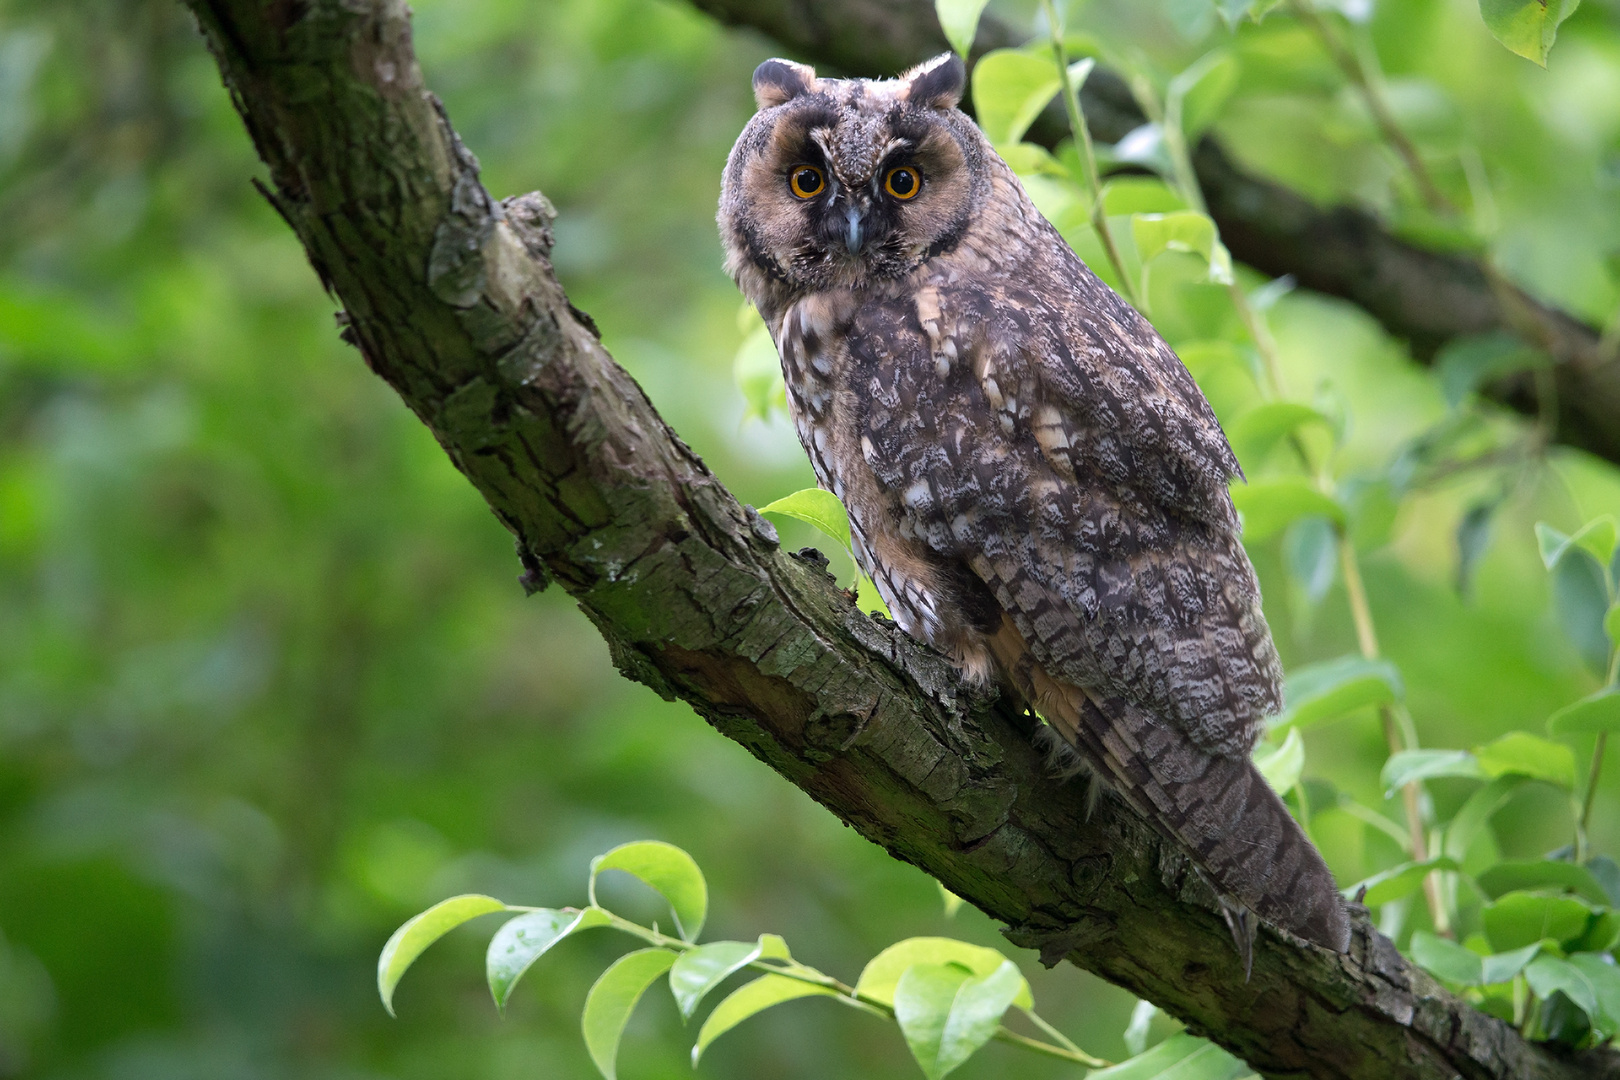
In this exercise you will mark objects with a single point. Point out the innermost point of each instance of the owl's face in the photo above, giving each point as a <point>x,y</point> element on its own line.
<point>841,183</point>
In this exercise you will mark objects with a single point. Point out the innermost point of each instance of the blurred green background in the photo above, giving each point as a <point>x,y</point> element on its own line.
<point>268,685</point>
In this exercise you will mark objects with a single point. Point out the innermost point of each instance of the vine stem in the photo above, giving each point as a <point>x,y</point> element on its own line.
<point>848,995</point>
<point>1088,156</point>
<point>1591,795</point>
<point>1597,768</point>
<point>1398,736</point>
<point>1366,82</point>
<point>1609,343</point>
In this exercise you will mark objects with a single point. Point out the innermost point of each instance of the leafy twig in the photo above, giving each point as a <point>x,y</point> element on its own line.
<point>1088,156</point>
<point>1364,78</point>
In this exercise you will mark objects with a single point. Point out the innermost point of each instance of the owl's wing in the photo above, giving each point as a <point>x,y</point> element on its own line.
<point>1131,414</point>
<point>1060,450</point>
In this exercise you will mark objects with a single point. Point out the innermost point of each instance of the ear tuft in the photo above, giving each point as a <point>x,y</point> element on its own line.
<point>778,81</point>
<point>936,83</point>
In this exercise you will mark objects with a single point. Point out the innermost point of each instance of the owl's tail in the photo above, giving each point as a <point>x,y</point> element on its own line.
<point>1220,810</point>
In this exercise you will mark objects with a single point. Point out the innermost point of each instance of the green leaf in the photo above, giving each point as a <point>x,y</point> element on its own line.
<point>1208,361</point>
<point>1547,975</point>
<point>1582,601</point>
<point>1473,537</point>
<point>1597,537</point>
<point>1182,230</point>
<point>1140,195</point>
<point>667,869</point>
<point>1551,543</point>
<point>1611,624</point>
<point>1180,1057</point>
<point>1399,881</point>
<point>1607,873</point>
<point>1500,967</point>
<point>1028,160</point>
<point>409,941</point>
<point>1595,712</point>
<point>1010,88</point>
<point>1518,919</point>
<point>702,969</point>
<point>523,940</point>
<point>1473,815</point>
<point>1372,818</point>
<point>922,1003</point>
<point>1232,11</point>
<point>1447,959</point>
<point>1605,978</point>
<point>1520,753</point>
<point>882,973</point>
<point>867,595</point>
<point>1514,875</point>
<point>1203,88</point>
<point>1467,363</point>
<point>613,998</point>
<point>751,998</point>
<point>1136,1032</point>
<point>1255,432</point>
<point>1333,688</point>
<point>1410,766</point>
<point>1270,506</point>
<point>960,21</point>
<point>1311,553</point>
<point>975,1014</point>
<point>1527,27</point>
<point>1282,765</point>
<point>772,947</point>
<point>946,1014</point>
<point>1601,934</point>
<point>757,372</point>
<point>817,507</point>
<point>1142,145</point>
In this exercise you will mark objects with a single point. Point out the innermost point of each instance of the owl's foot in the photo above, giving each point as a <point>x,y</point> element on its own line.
<point>1064,762</point>
<point>1242,923</point>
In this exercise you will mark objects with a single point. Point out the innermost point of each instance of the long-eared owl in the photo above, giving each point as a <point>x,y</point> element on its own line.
<point>1034,483</point>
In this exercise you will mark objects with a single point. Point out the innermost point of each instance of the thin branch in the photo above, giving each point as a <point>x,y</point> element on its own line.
<point>1088,158</point>
<point>1364,77</point>
<point>1394,737</point>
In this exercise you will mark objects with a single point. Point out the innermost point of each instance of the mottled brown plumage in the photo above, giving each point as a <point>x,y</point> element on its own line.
<point>1034,482</point>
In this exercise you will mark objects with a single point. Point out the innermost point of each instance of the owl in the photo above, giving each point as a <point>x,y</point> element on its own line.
<point>1035,484</point>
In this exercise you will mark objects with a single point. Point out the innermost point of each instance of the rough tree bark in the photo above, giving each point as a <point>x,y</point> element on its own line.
<point>450,297</point>
<point>1424,297</point>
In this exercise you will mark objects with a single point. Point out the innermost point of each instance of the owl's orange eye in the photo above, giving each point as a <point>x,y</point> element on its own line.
<point>903,182</point>
<point>805,181</point>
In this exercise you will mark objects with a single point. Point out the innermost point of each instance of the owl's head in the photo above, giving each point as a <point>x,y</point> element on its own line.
<point>843,182</point>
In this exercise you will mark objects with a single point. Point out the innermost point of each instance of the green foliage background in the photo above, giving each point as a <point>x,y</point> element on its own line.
<point>268,685</point>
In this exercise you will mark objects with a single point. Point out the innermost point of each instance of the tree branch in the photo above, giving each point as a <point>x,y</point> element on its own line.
<point>451,298</point>
<point>1424,297</point>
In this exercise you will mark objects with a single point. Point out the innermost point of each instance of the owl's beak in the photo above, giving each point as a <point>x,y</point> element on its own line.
<point>854,234</point>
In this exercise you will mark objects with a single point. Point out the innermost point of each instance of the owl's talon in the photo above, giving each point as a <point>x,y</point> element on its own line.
<point>1241,922</point>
